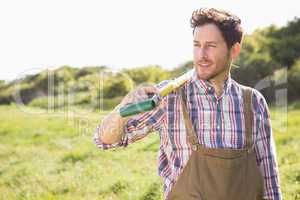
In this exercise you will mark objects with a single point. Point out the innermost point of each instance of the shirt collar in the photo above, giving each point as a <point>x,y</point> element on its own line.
<point>207,86</point>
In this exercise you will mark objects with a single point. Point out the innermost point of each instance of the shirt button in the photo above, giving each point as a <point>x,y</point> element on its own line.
<point>218,127</point>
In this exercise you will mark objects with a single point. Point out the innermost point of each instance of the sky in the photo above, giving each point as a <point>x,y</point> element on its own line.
<point>40,34</point>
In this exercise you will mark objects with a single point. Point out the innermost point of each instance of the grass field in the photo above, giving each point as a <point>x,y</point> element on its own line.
<point>51,156</point>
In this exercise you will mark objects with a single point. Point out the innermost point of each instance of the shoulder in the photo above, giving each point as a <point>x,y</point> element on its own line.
<point>256,95</point>
<point>171,97</point>
<point>259,103</point>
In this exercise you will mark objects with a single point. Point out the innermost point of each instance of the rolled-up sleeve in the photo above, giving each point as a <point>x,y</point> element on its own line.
<point>265,148</point>
<point>135,128</point>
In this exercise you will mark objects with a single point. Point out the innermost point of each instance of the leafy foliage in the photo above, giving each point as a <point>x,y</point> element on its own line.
<point>147,74</point>
<point>264,53</point>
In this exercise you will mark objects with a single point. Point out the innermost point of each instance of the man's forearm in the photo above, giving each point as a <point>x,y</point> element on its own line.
<point>112,126</point>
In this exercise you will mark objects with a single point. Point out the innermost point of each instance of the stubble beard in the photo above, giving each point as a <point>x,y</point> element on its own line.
<point>215,75</point>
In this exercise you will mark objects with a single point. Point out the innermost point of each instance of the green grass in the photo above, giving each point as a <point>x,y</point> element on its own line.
<point>51,156</point>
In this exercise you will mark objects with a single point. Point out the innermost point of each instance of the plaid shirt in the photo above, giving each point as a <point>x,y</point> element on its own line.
<point>219,123</point>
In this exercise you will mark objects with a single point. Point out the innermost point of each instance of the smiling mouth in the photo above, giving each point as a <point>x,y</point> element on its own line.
<point>204,65</point>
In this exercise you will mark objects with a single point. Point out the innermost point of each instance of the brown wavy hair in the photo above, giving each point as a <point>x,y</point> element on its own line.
<point>228,24</point>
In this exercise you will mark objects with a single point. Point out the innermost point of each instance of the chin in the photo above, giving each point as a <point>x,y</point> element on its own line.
<point>206,78</point>
<point>202,75</point>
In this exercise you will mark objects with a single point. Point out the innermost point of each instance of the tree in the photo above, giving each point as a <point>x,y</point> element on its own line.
<point>284,42</point>
<point>147,74</point>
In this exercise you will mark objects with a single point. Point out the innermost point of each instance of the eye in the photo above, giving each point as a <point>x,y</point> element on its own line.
<point>212,45</point>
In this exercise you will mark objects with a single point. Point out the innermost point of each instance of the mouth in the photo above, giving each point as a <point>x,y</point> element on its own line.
<point>204,64</point>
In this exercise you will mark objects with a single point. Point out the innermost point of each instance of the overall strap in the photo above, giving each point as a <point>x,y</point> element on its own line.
<point>248,115</point>
<point>190,132</point>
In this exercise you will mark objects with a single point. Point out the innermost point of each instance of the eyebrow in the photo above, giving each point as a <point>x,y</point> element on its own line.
<point>209,42</point>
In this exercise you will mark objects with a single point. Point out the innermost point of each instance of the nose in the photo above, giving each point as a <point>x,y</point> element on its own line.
<point>202,53</point>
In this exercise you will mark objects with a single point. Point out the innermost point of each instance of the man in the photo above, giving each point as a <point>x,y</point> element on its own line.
<point>215,135</point>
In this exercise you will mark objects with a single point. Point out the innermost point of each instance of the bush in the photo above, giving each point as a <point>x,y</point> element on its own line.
<point>294,81</point>
<point>55,102</point>
<point>148,74</point>
<point>108,103</point>
<point>117,85</point>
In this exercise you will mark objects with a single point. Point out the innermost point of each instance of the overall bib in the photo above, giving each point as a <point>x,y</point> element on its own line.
<point>219,174</point>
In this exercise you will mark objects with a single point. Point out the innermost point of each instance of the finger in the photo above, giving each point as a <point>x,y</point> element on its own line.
<point>141,95</point>
<point>150,89</point>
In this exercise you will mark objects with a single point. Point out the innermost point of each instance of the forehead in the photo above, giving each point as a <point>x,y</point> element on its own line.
<point>208,32</point>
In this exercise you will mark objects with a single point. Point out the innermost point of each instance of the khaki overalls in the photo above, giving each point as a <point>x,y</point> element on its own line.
<point>219,174</point>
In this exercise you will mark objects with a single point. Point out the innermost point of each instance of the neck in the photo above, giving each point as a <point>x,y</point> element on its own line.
<point>217,83</point>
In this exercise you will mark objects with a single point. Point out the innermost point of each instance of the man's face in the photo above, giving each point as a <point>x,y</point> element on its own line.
<point>211,55</point>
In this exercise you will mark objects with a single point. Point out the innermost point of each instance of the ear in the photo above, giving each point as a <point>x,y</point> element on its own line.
<point>235,50</point>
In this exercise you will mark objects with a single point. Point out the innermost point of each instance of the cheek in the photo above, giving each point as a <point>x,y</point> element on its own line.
<point>196,53</point>
<point>222,57</point>
<point>216,55</point>
<point>211,55</point>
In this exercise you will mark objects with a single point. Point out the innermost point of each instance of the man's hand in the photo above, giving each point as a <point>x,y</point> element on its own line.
<point>139,94</point>
<point>111,130</point>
